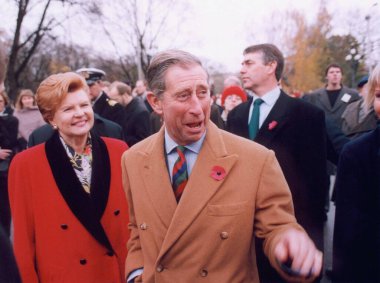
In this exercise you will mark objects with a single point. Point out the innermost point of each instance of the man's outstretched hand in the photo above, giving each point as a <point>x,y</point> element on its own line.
<point>297,258</point>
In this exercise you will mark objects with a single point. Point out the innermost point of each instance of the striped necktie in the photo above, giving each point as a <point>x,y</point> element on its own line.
<point>253,126</point>
<point>180,176</point>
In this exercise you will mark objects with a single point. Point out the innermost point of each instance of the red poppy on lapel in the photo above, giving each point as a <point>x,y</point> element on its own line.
<point>218,173</point>
<point>272,125</point>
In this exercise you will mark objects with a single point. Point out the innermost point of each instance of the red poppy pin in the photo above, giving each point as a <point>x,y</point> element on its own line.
<point>218,173</point>
<point>272,125</point>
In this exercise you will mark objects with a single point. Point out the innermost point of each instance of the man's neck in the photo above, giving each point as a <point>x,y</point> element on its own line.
<point>127,99</point>
<point>262,90</point>
<point>333,87</point>
<point>97,98</point>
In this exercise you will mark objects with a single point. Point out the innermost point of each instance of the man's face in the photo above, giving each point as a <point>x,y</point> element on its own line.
<point>185,105</point>
<point>95,90</point>
<point>334,76</point>
<point>114,94</point>
<point>253,70</point>
<point>140,88</point>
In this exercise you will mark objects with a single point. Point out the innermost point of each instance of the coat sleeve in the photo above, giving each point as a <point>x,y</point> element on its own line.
<point>313,157</point>
<point>274,206</point>
<point>20,195</point>
<point>135,257</point>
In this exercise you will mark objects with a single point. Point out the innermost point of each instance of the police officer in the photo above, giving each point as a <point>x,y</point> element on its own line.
<point>101,103</point>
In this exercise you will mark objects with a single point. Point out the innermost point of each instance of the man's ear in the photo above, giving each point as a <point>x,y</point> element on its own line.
<point>154,102</point>
<point>272,66</point>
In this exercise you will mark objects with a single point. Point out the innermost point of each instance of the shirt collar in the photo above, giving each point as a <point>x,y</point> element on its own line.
<point>97,98</point>
<point>270,97</point>
<point>86,151</point>
<point>195,147</point>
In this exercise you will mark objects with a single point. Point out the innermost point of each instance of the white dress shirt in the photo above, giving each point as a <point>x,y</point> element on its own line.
<point>191,153</point>
<point>269,99</point>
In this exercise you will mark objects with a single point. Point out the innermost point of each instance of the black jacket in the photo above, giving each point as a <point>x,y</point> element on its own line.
<point>295,131</point>
<point>102,127</point>
<point>109,109</point>
<point>356,245</point>
<point>136,125</point>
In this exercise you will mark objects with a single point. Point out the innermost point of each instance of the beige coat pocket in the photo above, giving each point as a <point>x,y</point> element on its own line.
<point>226,209</point>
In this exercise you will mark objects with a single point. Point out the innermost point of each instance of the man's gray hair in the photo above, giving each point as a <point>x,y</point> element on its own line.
<point>160,64</point>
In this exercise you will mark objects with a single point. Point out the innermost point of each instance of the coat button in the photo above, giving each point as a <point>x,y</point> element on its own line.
<point>143,226</point>
<point>83,261</point>
<point>224,235</point>
<point>160,268</point>
<point>110,253</point>
<point>64,226</point>
<point>116,212</point>
<point>203,272</point>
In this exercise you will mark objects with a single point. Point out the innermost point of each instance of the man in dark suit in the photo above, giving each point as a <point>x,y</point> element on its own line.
<point>8,146</point>
<point>102,127</point>
<point>333,100</point>
<point>141,92</point>
<point>101,103</point>
<point>136,124</point>
<point>293,129</point>
<point>334,97</point>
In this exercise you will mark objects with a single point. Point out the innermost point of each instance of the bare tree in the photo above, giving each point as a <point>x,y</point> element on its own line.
<point>142,23</point>
<point>25,43</point>
<point>4,42</point>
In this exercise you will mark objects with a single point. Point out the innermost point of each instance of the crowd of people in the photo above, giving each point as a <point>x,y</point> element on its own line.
<point>170,182</point>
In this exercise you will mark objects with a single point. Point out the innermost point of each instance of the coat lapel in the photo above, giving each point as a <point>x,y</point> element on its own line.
<point>277,118</point>
<point>87,209</point>
<point>100,176</point>
<point>156,179</point>
<point>201,186</point>
<point>338,101</point>
<point>325,100</point>
<point>100,103</point>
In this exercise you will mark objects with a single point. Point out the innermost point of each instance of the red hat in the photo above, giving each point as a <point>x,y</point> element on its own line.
<point>234,89</point>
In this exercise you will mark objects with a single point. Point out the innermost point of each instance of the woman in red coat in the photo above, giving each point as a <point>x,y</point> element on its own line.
<point>69,210</point>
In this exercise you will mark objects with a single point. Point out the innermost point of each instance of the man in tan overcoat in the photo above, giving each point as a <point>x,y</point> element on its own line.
<point>198,195</point>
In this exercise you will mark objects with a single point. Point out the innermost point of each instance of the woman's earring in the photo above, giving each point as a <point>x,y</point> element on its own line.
<point>55,127</point>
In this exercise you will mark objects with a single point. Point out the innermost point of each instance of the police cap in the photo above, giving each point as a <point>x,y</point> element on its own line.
<point>91,75</point>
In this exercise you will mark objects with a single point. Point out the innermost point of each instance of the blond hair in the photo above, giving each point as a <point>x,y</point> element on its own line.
<point>54,89</point>
<point>373,82</point>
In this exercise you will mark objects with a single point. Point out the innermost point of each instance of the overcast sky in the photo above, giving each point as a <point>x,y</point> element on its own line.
<point>223,31</point>
<point>219,30</point>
